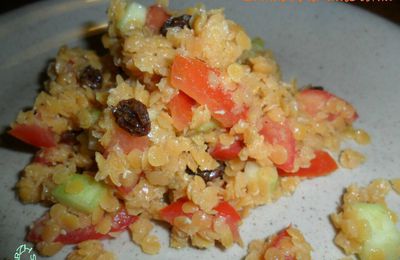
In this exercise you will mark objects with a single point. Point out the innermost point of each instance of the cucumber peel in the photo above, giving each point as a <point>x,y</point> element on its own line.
<point>384,235</point>
<point>87,199</point>
<point>264,176</point>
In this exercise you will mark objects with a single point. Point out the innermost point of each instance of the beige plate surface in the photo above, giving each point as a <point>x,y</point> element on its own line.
<point>352,53</point>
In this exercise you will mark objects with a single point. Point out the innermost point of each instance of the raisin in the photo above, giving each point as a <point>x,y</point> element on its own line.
<point>91,77</point>
<point>132,116</point>
<point>180,21</point>
<point>209,175</point>
<point>69,137</point>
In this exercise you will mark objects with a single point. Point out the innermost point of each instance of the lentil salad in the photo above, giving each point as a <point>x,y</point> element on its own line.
<point>216,118</point>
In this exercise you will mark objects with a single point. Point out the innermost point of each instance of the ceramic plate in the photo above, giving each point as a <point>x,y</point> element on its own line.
<point>352,53</point>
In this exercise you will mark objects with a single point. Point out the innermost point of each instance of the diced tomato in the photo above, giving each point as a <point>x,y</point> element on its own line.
<point>180,108</point>
<point>278,240</point>
<point>280,134</point>
<point>173,210</point>
<point>120,222</point>
<point>227,153</point>
<point>35,231</point>
<point>156,17</point>
<point>128,142</point>
<point>312,101</point>
<point>80,235</point>
<point>224,209</point>
<point>323,164</point>
<point>34,135</point>
<point>192,76</point>
<point>231,216</point>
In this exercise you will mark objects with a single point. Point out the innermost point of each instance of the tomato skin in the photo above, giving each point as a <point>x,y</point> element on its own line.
<point>180,108</point>
<point>173,210</point>
<point>224,209</point>
<point>156,17</point>
<point>80,235</point>
<point>278,239</point>
<point>34,135</point>
<point>323,164</point>
<point>280,134</point>
<point>231,216</point>
<point>120,222</point>
<point>128,142</point>
<point>313,101</point>
<point>192,77</point>
<point>227,153</point>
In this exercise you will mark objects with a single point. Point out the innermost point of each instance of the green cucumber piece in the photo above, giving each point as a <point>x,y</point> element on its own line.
<point>384,234</point>
<point>266,175</point>
<point>86,200</point>
<point>134,16</point>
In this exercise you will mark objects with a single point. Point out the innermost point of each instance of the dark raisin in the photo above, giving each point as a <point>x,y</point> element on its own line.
<point>209,175</point>
<point>180,21</point>
<point>315,87</point>
<point>69,137</point>
<point>91,77</point>
<point>132,116</point>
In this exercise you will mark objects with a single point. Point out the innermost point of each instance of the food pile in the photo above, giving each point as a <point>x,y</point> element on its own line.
<point>186,120</point>
<point>287,244</point>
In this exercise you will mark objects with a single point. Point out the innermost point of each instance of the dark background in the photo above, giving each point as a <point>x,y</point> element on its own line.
<point>390,9</point>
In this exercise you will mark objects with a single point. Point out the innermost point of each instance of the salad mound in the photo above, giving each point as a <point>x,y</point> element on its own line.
<point>185,120</point>
<point>288,244</point>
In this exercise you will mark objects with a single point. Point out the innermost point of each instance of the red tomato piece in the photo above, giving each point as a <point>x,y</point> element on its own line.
<point>128,142</point>
<point>80,235</point>
<point>34,135</point>
<point>313,101</point>
<point>278,239</point>
<point>192,76</point>
<point>156,17</point>
<point>280,134</point>
<point>34,232</point>
<point>173,210</point>
<point>227,153</point>
<point>231,216</point>
<point>323,164</point>
<point>224,209</point>
<point>120,222</point>
<point>180,108</point>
